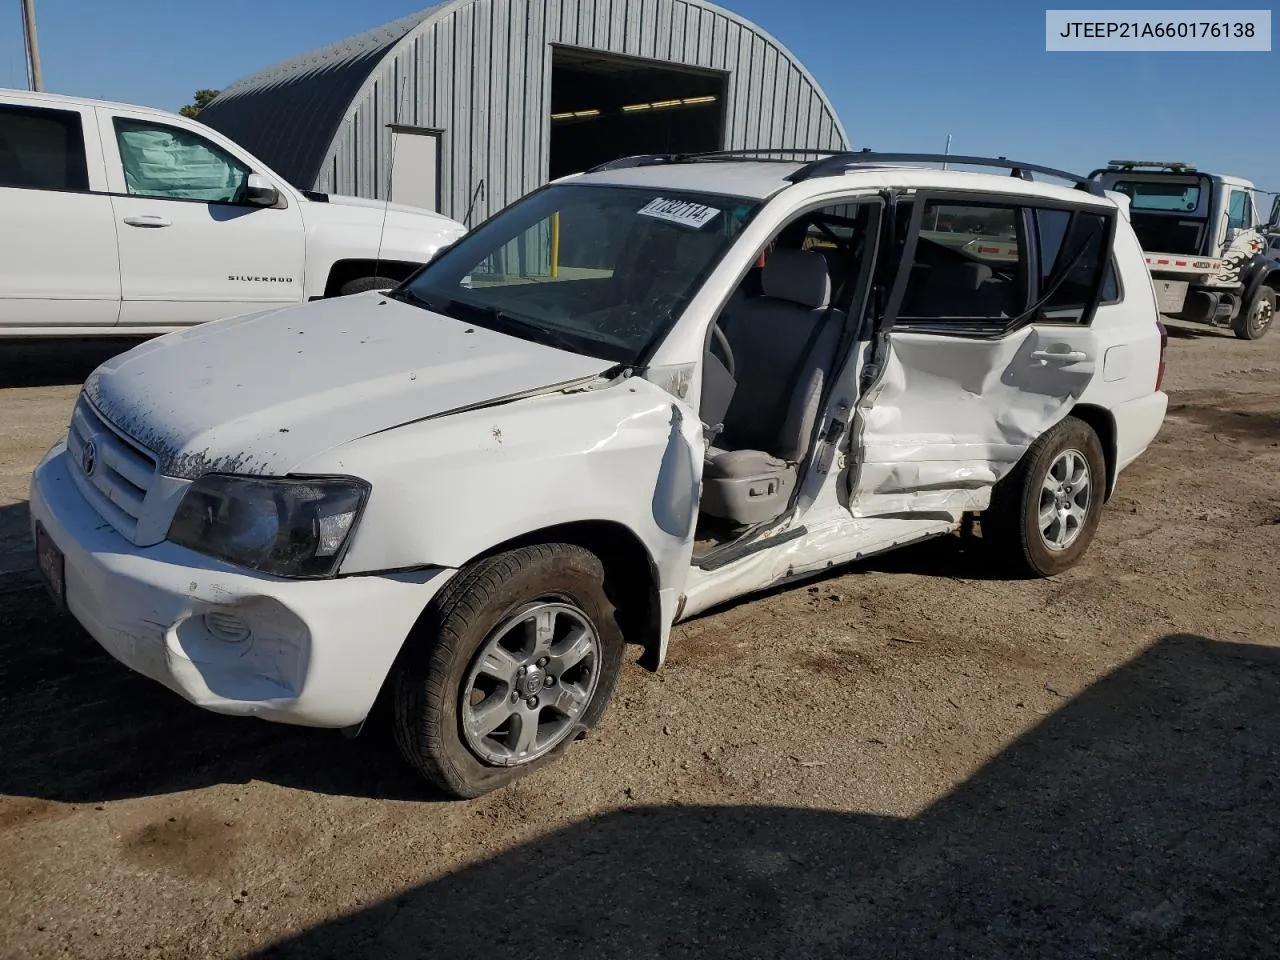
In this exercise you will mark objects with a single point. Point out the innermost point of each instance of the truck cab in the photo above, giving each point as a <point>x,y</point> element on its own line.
<point>1203,237</point>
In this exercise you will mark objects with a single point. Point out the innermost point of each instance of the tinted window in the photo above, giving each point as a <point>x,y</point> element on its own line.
<point>1238,211</point>
<point>162,161</point>
<point>1072,245</point>
<point>967,264</point>
<point>1159,194</point>
<point>42,149</point>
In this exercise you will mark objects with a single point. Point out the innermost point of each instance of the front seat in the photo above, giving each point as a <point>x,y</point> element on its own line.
<point>784,346</point>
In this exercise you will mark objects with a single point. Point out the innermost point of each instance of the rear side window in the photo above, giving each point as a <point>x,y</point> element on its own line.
<point>42,149</point>
<point>967,268</point>
<point>1072,245</point>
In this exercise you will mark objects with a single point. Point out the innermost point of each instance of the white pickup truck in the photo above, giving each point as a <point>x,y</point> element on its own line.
<point>1202,236</point>
<point>123,220</point>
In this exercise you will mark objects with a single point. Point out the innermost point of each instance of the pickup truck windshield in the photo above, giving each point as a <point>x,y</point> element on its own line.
<point>1160,195</point>
<point>598,270</point>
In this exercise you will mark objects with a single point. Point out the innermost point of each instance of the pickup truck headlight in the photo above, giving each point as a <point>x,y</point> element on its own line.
<point>287,527</point>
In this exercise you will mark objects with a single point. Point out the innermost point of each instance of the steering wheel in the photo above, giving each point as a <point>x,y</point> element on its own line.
<point>718,336</point>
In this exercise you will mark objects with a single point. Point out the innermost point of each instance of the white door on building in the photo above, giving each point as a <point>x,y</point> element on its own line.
<point>415,167</point>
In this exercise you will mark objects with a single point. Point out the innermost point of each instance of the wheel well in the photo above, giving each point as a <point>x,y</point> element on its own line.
<point>344,271</point>
<point>631,579</point>
<point>1104,425</point>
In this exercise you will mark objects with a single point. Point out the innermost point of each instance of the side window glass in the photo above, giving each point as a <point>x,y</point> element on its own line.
<point>967,265</point>
<point>167,162</point>
<point>1238,211</point>
<point>42,149</point>
<point>1072,245</point>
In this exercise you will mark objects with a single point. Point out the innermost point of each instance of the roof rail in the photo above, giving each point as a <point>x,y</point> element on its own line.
<point>840,162</point>
<point>765,153</point>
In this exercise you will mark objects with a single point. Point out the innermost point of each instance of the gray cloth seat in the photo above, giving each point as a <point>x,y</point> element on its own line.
<point>784,346</point>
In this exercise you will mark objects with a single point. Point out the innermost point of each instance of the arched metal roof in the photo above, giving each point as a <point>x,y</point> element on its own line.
<point>479,70</point>
<point>287,114</point>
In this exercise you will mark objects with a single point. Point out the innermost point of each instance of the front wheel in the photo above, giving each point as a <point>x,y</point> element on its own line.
<point>1255,319</point>
<point>525,656</point>
<point>1044,513</point>
<point>364,284</point>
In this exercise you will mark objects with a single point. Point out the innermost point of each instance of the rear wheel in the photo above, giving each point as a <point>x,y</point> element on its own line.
<point>1255,319</point>
<point>364,284</point>
<point>1044,513</point>
<point>525,656</point>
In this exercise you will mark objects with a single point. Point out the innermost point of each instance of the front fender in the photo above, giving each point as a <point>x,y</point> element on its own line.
<point>446,490</point>
<point>359,233</point>
<point>1260,271</point>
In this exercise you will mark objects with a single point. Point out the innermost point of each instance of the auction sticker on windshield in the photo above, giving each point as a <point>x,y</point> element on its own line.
<point>687,214</point>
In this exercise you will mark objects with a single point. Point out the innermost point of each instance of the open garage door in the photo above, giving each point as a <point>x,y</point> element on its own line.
<point>605,106</point>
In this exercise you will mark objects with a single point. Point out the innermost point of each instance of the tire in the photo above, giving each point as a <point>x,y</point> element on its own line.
<point>440,675</point>
<point>363,284</point>
<point>1011,524</point>
<point>1255,320</point>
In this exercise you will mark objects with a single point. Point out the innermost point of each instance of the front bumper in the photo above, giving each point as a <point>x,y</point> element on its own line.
<point>307,652</point>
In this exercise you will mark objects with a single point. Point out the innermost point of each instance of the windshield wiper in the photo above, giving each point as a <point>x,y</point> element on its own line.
<point>406,295</point>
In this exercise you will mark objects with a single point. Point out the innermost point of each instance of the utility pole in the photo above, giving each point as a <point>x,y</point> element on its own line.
<point>33,46</point>
<point>947,152</point>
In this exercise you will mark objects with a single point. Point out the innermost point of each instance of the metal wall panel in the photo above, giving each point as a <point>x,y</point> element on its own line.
<point>480,71</point>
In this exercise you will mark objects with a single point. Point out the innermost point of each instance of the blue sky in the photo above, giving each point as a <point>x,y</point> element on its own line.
<point>902,75</point>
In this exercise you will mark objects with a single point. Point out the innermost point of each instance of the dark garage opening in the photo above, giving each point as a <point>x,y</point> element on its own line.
<point>605,106</point>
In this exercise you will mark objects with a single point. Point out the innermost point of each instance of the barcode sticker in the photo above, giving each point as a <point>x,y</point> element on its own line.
<point>694,215</point>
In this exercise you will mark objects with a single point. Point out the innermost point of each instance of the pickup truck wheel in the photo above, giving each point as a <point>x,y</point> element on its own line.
<point>1256,319</point>
<point>1044,513</point>
<point>362,284</point>
<point>525,656</point>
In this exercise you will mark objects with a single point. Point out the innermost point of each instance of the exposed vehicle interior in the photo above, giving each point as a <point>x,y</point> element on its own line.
<point>772,353</point>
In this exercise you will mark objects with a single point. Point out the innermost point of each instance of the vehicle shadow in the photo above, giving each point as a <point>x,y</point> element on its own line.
<point>77,723</point>
<point>57,362</point>
<point>1136,821</point>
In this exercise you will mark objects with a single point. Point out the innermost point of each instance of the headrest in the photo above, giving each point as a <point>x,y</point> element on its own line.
<point>961,276</point>
<point>797,275</point>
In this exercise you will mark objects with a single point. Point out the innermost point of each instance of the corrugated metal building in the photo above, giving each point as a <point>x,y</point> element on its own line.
<point>470,104</point>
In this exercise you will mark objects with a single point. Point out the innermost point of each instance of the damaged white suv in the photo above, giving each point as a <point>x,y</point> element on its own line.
<point>633,394</point>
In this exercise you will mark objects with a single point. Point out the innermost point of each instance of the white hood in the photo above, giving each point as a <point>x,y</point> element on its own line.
<point>260,394</point>
<point>342,208</point>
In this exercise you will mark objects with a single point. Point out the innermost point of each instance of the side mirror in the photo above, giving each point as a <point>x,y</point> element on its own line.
<point>1273,222</point>
<point>259,191</point>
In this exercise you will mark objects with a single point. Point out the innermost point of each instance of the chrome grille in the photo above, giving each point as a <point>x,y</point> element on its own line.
<point>112,471</point>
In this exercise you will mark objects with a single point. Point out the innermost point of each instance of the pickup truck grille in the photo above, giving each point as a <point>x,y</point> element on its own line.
<point>111,471</point>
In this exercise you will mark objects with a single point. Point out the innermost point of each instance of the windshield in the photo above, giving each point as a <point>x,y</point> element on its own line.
<point>1160,195</point>
<point>599,270</point>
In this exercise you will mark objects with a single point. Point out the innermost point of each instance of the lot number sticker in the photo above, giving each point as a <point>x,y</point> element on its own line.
<point>686,214</point>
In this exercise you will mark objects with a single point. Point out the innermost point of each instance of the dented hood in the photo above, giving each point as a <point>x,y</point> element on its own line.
<point>260,394</point>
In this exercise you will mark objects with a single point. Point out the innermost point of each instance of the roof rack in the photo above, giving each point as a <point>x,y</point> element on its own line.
<point>840,162</point>
<point>833,162</point>
<point>781,154</point>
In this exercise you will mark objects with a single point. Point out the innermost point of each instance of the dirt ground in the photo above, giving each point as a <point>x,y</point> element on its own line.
<point>909,758</point>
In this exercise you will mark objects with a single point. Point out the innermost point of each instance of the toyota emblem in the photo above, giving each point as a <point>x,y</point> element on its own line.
<point>89,457</point>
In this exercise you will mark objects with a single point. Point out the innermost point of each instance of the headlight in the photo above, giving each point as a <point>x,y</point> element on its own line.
<point>290,528</point>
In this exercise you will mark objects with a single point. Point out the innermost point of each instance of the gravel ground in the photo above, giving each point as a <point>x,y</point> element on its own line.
<point>910,758</point>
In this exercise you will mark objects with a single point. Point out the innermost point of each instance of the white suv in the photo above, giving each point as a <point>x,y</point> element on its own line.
<point>632,395</point>
<point>116,219</point>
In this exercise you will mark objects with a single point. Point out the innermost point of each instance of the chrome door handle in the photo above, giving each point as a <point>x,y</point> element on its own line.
<point>1050,356</point>
<point>147,220</point>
